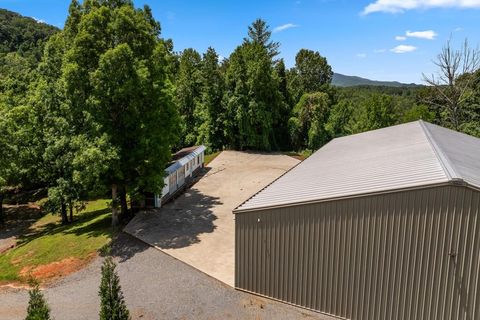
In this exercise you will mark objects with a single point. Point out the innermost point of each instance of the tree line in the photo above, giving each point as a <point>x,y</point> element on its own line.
<point>109,99</point>
<point>250,100</point>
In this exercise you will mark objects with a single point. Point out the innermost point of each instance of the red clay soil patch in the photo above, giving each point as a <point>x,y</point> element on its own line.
<point>56,269</point>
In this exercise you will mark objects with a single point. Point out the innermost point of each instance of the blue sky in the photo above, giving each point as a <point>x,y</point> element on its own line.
<point>376,39</point>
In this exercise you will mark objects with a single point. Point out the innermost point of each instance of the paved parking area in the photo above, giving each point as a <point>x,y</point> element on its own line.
<point>198,227</point>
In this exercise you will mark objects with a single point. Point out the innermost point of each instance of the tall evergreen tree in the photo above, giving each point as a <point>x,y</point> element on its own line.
<point>37,305</point>
<point>112,303</point>
<point>116,74</point>
<point>210,112</point>
<point>252,98</point>
<point>285,106</point>
<point>259,33</point>
<point>188,94</point>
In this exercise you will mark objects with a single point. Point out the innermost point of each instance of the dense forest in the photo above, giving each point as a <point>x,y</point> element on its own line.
<point>101,104</point>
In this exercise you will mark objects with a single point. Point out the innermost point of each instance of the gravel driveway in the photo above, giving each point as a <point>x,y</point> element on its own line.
<point>156,286</point>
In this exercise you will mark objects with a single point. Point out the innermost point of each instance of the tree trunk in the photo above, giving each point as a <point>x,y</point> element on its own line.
<point>63,212</point>
<point>123,202</point>
<point>71,211</point>
<point>2,218</point>
<point>115,212</point>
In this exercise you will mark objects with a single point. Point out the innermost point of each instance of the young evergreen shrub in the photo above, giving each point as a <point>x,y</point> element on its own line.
<point>37,305</point>
<point>112,305</point>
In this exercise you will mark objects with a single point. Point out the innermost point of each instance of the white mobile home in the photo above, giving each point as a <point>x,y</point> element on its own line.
<point>185,166</point>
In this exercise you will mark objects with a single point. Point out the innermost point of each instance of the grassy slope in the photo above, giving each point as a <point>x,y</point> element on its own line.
<point>50,242</point>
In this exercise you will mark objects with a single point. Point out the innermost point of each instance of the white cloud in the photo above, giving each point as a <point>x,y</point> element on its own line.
<point>458,29</point>
<point>427,34</point>
<point>285,27</point>
<point>403,48</point>
<point>398,6</point>
<point>379,50</point>
<point>361,55</point>
<point>400,38</point>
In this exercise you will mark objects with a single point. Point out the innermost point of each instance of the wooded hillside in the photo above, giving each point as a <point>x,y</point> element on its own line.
<point>23,34</point>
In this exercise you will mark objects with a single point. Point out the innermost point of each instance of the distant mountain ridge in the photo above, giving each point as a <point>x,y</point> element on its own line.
<point>23,35</point>
<point>341,80</point>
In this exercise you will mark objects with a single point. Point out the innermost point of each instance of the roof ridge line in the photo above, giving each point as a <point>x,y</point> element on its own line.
<point>445,162</point>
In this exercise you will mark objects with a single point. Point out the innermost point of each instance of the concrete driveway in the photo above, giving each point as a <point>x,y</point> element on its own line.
<point>198,227</point>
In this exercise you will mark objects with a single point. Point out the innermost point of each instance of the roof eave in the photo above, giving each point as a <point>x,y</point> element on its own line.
<point>452,182</point>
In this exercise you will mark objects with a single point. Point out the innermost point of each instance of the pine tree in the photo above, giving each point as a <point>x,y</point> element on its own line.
<point>188,94</point>
<point>210,114</point>
<point>112,305</point>
<point>259,33</point>
<point>252,98</point>
<point>37,305</point>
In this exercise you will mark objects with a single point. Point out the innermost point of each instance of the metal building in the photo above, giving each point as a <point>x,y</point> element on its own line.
<point>378,225</point>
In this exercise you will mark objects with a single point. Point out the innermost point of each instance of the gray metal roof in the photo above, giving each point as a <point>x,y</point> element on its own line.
<point>409,155</point>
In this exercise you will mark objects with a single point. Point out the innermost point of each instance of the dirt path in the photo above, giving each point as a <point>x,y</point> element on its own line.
<point>156,286</point>
<point>198,227</point>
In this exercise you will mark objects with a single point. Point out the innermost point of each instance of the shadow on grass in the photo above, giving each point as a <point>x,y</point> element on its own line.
<point>80,227</point>
<point>19,219</point>
<point>100,227</point>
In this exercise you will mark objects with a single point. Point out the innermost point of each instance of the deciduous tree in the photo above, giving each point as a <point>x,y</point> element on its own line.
<point>376,112</point>
<point>307,125</point>
<point>452,82</point>
<point>310,74</point>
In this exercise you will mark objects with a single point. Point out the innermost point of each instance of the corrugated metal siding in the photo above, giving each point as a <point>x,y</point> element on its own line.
<point>377,257</point>
<point>391,158</point>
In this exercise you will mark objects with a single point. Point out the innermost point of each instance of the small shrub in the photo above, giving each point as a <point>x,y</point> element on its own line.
<point>37,305</point>
<point>112,305</point>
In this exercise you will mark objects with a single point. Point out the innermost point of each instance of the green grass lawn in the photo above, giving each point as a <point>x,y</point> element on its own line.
<point>211,156</point>
<point>47,242</point>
